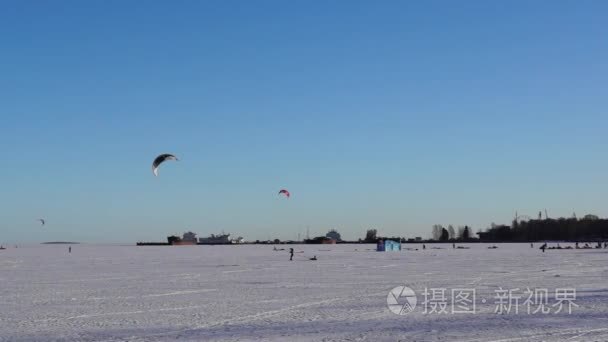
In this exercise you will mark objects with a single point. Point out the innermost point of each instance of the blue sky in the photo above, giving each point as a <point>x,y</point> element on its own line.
<point>391,114</point>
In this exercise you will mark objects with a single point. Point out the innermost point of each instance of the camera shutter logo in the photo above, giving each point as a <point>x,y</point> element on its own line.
<point>401,300</point>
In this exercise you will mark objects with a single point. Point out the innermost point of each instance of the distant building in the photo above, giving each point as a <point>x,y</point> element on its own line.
<point>418,238</point>
<point>333,234</point>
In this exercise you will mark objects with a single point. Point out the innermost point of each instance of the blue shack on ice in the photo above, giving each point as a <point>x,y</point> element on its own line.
<point>388,245</point>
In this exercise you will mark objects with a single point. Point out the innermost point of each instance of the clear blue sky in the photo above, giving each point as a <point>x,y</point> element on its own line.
<point>389,114</point>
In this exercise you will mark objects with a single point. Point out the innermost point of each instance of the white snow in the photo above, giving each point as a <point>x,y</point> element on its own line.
<point>252,293</point>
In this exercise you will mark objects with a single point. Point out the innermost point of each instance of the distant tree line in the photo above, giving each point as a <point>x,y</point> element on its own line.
<point>442,234</point>
<point>589,227</point>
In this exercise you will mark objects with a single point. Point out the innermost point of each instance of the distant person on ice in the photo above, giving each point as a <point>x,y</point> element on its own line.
<point>543,247</point>
<point>314,258</point>
<point>290,254</point>
<point>70,249</point>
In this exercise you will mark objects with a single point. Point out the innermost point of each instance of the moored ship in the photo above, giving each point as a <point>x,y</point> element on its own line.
<point>320,240</point>
<point>221,239</point>
<point>188,239</point>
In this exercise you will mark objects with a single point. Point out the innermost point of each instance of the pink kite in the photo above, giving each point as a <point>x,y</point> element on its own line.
<point>284,192</point>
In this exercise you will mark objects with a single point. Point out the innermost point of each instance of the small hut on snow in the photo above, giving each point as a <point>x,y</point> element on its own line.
<point>388,245</point>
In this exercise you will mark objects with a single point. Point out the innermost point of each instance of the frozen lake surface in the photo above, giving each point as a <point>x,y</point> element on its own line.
<point>252,293</point>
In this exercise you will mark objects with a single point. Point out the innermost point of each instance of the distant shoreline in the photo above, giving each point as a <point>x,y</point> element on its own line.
<point>472,241</point>
<point>60,243</point>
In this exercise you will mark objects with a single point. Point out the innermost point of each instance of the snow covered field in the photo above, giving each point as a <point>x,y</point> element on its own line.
<point>252,293</point>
